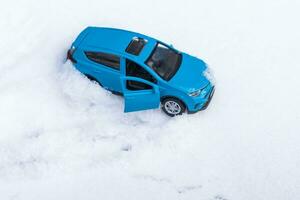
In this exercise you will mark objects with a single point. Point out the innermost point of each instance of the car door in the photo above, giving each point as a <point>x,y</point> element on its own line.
<point>141,98</point>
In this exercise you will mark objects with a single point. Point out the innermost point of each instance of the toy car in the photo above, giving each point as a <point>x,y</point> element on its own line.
<point>144,70</point>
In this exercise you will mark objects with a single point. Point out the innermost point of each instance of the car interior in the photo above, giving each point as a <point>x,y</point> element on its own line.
<point>133,69</point>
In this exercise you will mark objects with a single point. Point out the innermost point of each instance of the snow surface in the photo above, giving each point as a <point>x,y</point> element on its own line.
<point>63,137</point>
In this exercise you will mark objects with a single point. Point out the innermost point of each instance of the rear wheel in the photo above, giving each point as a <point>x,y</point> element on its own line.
<point>173,107</point>
<point>117,93</point>
<point>96,81</point>
<point>93,79</point>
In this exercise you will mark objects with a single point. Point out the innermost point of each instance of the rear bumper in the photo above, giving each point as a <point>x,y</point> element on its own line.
<point>203,105</point>
<point>70,56</point>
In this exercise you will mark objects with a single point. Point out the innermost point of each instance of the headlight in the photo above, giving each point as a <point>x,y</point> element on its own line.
<point>195,93</point>
<point>203,93</point>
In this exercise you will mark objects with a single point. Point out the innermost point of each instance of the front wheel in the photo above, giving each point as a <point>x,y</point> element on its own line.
<point>173,107</point>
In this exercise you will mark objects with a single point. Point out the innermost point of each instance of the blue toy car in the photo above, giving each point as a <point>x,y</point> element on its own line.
<point>144,70</point>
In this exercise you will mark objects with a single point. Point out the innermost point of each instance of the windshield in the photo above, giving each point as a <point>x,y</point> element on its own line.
<point>164,61</point>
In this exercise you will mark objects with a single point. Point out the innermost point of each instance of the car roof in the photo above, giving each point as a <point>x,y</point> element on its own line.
<point>115,41</point>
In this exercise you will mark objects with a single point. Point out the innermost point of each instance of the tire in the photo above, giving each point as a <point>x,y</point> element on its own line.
<point>96,81</point>
<point>117,93</point>
<point>172,106</point>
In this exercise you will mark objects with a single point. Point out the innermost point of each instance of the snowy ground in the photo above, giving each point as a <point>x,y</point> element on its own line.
<point>62,137</point>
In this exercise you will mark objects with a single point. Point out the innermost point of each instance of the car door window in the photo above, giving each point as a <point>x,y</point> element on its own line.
<point>136,85</point>
<point>106,59</point>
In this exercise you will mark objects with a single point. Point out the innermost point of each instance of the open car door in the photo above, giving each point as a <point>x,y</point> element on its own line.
<point>139,94</point>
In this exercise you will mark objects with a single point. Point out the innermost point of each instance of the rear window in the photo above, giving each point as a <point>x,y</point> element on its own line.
<point>106,59</point>
<point>136,45</point>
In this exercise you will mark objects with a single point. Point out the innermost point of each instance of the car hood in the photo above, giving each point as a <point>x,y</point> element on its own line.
<point>189,76</point>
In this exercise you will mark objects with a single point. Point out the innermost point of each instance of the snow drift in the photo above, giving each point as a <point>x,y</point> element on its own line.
<point>63,137</point>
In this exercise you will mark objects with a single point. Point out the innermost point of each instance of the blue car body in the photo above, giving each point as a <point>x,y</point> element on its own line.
<point>188,83</point>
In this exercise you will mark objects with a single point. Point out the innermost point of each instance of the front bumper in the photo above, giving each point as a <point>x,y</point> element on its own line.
<point>202,104</point>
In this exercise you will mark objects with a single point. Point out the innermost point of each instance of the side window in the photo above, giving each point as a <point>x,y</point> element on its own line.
<point>133,69</point>
<point>106,59</point>
<point>135,85</point>
<point>136,45</point>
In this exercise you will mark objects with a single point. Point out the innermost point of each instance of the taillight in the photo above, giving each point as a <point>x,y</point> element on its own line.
<point>70,54</point>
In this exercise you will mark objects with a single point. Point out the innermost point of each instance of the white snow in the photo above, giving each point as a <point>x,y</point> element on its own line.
<point>63,137</point>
